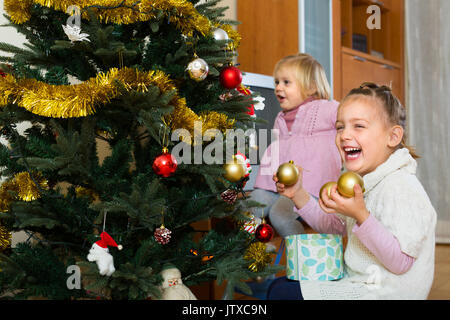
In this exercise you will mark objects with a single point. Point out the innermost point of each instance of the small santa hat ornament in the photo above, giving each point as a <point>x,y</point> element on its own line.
<point>106,240</point>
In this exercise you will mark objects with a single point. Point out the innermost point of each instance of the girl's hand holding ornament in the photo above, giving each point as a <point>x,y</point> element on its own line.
<point>354,207</point>
<point>294,192</point>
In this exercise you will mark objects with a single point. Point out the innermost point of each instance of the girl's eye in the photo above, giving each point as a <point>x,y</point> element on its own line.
<point>277,82</point>
<point>359,126</point>
<point>286,81</point>
<point>339,128</point>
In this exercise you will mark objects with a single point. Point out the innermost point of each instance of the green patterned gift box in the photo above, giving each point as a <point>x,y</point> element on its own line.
<point>314,257</point>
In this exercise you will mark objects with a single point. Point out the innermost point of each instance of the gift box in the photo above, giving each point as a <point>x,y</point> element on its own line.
<point>314,257</point>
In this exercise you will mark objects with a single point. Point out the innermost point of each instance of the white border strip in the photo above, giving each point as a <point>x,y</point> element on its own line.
<point>301,26</point>
<point>258,80</point>
<point>330,3</point>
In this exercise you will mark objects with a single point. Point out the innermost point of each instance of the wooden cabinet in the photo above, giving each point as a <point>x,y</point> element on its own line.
<point>355,69</point>
<point>358,68</point>
<point>390,76</point>
<point>366,54</point>
<point>269,30</point>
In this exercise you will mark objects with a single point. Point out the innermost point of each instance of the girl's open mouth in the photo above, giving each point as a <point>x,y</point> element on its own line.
<point>281,98</point>
<point>352,153</point>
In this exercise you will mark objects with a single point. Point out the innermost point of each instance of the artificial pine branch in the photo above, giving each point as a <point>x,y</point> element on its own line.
<point>121,193</point>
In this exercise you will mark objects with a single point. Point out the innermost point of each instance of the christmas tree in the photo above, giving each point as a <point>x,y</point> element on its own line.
<point>127,75</point>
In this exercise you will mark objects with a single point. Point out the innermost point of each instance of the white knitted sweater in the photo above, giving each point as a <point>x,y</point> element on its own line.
<point>396,198</point>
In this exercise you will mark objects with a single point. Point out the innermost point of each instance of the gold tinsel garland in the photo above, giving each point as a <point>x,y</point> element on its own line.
<point>5,238</point>
<point>80,100</point>
<point>6,197</point>
<point>19,11</point>
<point>259,257</point>
<point>187,18</point>
<point>26,190</point>
<point>23,185</point>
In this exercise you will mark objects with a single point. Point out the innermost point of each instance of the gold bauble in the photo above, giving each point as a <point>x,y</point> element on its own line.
<point>347,181</point>
<point>234,170</point>
<point>287,173</point>
<point>328,186</point>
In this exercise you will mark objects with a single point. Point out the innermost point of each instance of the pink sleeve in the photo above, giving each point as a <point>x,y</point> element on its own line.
<point>319,220</point>
<point>382,243</point>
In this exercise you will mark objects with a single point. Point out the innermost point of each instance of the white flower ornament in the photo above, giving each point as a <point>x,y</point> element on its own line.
<point>74,33</point>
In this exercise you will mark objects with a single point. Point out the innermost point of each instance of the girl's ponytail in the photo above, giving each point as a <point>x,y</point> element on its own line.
<point>412,150</point>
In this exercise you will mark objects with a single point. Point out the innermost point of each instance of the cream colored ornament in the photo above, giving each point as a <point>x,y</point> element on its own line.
<point>198,69</point>
<point>172,287</point>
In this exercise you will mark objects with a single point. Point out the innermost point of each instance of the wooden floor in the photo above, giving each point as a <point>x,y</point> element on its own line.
<point>441,285</point>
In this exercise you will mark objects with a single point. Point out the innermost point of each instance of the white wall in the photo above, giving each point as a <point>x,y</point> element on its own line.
<point>9,34</point>
<point>231,13</point>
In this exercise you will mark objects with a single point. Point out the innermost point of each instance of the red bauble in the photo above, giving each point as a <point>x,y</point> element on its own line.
<point>165,164</point>
<point>264,232</point>
<point>2,73</point>
<point>230,77</point>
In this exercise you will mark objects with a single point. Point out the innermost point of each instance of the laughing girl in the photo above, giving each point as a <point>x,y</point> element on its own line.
<point>391,227</point>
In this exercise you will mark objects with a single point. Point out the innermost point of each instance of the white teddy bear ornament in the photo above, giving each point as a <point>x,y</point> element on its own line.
<point>99,253</point>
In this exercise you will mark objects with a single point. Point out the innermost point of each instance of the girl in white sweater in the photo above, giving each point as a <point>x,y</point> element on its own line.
<point>391,227</point>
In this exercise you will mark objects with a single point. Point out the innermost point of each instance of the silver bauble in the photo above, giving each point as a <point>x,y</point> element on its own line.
<point>220,34</point>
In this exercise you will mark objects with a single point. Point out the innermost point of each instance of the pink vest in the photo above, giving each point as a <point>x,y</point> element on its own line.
<point>310,144</point>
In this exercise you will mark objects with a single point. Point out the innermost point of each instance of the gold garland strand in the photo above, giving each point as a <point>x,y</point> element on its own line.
<point>19,11</point>
<point>5,196</point>
<point>5,238</point>
<point>26,190</point>
<point>187,18</point>
<point>26,187</point>
<point>80,100</point>
<point>23,185</point>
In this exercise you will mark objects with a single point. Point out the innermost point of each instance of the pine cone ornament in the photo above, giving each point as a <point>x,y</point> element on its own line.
<point>229,196</point>
<point>162,235</point>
